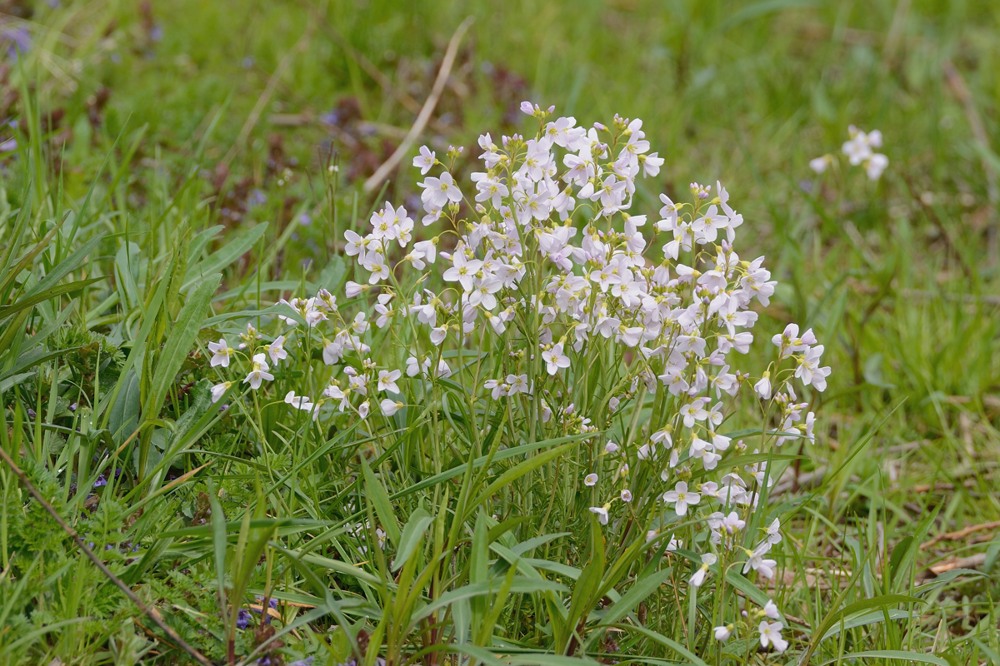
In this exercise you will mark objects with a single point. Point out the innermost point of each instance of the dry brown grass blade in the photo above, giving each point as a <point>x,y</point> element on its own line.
<point>387,167</point>
<point>962,533</point>
<point>970,562</point>
<point>185,477</point>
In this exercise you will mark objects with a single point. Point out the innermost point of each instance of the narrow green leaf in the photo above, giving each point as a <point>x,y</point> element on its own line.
<point>881,602</point>
<point>536,659</point>
<point>519,585</point>
<point>477,653</point>
<point>864,619</point>
<point>479,564</point>
<point>336,566</point>
<point>529,545</point>
<point>479,557</point>
<point>36,297</point>
<point>67,265</point>
<point>558,568</point>
<point>737,580</point>
<point>22,264</point>
<point>522,468</point>
<point>665,642</point>
<point>903,655</point>
<point>218,546</point>
<point>506,454</point>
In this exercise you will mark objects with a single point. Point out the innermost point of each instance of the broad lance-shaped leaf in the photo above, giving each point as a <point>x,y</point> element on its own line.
<point>413,534</point>
<point>124,414</point>
<point>379,498</point>
<point>179,343</point>
<point>641,589</point>
<point>586,592</point>
<point>235,247</point>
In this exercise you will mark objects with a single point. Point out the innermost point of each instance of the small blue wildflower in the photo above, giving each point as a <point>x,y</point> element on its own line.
<point>243,619</point>
<point>101,481</point>
<point>256,198</point>
<point>18,41</point>
<point>272,602</point>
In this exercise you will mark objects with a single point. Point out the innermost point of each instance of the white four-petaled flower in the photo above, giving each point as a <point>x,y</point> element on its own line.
<point>221,351</point>
<point>258,372</point>
<point>555,358</point>
<point>681,498</point>
<point>770,635</point>
<point>387,380</point>
<point>425,160</point>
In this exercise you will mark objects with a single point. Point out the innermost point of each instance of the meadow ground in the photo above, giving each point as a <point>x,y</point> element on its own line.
<point>170,170</point>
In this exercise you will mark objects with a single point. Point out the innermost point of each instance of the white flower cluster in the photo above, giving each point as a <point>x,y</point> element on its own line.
<point>259,368</point>
<point>547,273</point>
<point>768,632</point>
<point>860,151</point>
